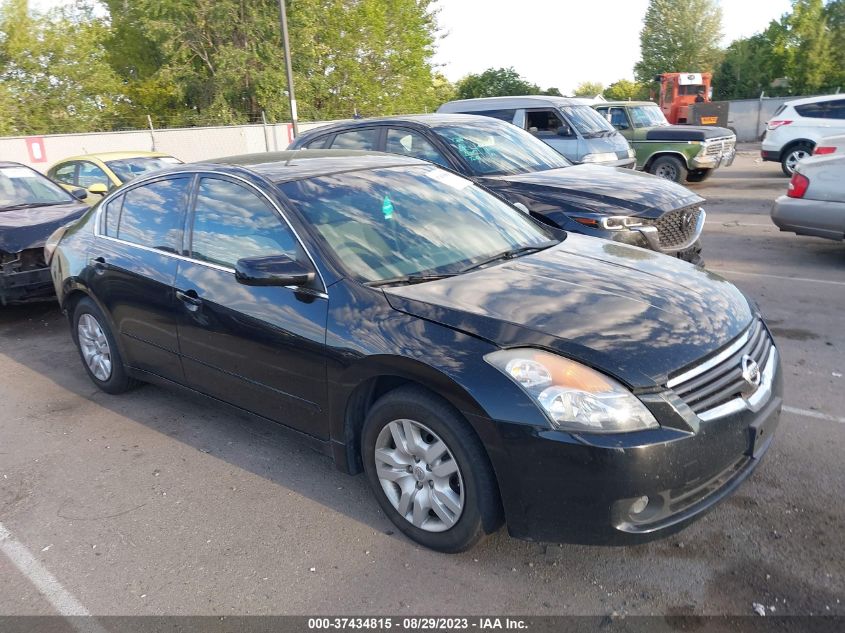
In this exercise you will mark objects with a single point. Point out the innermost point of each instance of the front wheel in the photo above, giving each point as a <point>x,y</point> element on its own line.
<point>429,471</point>
<point>669,167</point>
<point>792,156</point>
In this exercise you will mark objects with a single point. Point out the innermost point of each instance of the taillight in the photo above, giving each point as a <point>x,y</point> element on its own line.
<point>824,150</point>
<point>797,186</point>
<point>776,124</point>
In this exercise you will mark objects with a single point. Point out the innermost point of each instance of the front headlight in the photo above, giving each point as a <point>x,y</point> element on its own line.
<point>619,222</point>
<point>573,396</point>
<point>604,157</point>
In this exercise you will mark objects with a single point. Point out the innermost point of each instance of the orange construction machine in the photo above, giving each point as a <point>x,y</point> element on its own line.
<point>679,91</point>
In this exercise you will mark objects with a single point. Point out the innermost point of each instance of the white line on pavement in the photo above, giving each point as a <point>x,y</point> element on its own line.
<point>814,414</point>
<point>47,585</point>
<point>723,271</point>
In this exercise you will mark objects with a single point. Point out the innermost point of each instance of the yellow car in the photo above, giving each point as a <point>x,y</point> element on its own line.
<point>100,173</point>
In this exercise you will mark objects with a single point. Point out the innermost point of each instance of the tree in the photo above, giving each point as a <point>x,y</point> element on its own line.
<point>495,82</point>
<point>626,90</point>
<point>589,89</point>
<point>679,36</point>
<point>836,23</point>
<point>750,66</point>
<point>807,47</point>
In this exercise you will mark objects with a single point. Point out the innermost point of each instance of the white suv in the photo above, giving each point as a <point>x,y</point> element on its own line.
<point>797,127</point>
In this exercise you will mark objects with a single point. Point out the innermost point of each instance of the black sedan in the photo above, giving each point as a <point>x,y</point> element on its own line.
<point>31,208</point>
<point>477,365</point>
<point>616,204</point>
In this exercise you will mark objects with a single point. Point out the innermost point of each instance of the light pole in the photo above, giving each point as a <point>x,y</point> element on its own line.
<point>283,19</point>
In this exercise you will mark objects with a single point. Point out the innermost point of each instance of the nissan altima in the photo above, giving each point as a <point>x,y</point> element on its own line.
<point>478,366</point>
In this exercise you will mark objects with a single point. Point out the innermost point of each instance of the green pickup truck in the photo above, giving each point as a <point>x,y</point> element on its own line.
<point>676,152</point>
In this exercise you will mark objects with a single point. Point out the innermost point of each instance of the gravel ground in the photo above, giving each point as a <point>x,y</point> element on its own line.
<point>160,503</point>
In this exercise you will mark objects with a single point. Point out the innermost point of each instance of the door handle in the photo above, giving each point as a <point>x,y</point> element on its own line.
<point>190,299</point>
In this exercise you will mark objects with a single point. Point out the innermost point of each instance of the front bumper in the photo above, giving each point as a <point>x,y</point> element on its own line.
<point>25,286</point>
<point>562,487</point>
<point>724,159</point>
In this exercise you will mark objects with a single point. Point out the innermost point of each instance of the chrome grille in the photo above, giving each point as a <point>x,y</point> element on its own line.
<point>719,146</point>
<point>722,381</point>
<point>679,228</point>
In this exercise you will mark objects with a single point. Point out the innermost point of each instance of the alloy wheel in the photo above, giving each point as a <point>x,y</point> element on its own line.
<point>793,158</point>
<point>95,347</point>
<point>419,475</point>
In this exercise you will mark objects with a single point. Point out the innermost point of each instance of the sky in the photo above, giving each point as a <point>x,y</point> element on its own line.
<point>557,43</point>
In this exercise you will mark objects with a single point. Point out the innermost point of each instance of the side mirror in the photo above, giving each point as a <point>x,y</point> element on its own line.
<point>273,270</point>
<point>564,130</point>
<point>98,188</point>
<point>79,194</point>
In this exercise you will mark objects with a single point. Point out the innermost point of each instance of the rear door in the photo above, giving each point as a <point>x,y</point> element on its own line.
<point>259,348</point>
<point>133,268</point>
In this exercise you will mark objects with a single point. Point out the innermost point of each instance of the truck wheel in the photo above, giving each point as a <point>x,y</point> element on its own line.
<point>793,155</point>
<point>670,168</point>
<point>699,175</point>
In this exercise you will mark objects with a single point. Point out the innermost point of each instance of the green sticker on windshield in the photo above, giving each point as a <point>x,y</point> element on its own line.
<point>387,208</point>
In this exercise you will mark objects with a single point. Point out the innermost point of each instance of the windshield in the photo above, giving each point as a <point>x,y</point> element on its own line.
<point>130,168</point>
<point>647,116</point>
<point>392,222</point>
<point>24,187</point>
<point>587,121</point>
<point>495,148</point>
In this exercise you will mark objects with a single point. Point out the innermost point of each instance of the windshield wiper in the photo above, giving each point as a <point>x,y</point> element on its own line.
<point>28,205</point>
<point>511,254</point>
<point>409,279</point>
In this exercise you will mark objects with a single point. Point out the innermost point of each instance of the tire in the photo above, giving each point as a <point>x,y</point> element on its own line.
<point>98,349</point>
<point>670,168</point>
<point>455,482</point>
<point>791,157</point>
<point>699,175</point>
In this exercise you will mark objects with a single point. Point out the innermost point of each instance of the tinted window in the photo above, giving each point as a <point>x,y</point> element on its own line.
<point>543,122</point>
<point>836,109</point>
<point>356,139</point>
<point>492,147</point>
<point>130,168</point>
<point>65,173</point>
<point>112,213</point>
<point>318,143</point>
<point>410,143</point>
<point>502,115</point>
<point>153,214</point>
<point>384,223</point>
<point>232,222</point>
<point>90,174</point>
<point>812,110</point>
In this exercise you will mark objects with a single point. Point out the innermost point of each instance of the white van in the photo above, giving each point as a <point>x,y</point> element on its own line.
<point>570,126</point>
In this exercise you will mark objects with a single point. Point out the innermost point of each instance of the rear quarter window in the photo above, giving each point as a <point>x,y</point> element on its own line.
<point>813,110</point>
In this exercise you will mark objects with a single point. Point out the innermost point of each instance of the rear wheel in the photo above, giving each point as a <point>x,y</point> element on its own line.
<point>429,471</point>
<point>98,350</point>
<point>699,175</point>
<point>793,155</point>
<point>670,168</point>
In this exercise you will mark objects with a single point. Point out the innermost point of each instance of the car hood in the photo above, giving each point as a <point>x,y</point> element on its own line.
<point>686,133</point>
<point>632,313</point>
<point>599,189</point>
<point>21,229</point>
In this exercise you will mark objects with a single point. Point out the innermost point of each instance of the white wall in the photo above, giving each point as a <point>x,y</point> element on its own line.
<point>187,144</point>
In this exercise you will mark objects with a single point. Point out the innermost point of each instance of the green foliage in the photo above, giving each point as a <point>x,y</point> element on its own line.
<point>498,82</point>
<point>626,90</point>
<point>589,89</point>
<point>679,36</point>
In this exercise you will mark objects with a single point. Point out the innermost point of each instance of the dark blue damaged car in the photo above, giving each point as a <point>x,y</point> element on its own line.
<point>479,367</point>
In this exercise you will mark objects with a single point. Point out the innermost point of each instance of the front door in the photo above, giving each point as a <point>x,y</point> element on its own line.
<point>260,348</point>
<point>548,125</point>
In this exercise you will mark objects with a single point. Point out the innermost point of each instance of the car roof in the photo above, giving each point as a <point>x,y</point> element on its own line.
<point>291,165</point>
<point>515,100</point>
<point>9,163</point>
<point>625,103</point>
<point>422,120</point>
<point>106,156</point>
<point>796,102</point>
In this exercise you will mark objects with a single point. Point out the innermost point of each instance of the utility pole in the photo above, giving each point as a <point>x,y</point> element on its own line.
<point>283,19</point>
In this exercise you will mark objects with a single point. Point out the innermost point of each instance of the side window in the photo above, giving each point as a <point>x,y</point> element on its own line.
<point>619,118</point>
<point>413,144</point>
<point>232,222</point>
<point>543,123</point>
<point>812,110</point>
<point>318,143</point>
<point>502,115</point>
<point>836,109</point>
<point>90,174</point>
<point>65,173</point>
<point>112,216</point>
<point>356,139</point>
<point>153,214</point>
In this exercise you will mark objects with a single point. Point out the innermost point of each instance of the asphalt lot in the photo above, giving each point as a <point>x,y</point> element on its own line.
<point>160,503</point>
